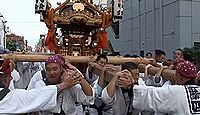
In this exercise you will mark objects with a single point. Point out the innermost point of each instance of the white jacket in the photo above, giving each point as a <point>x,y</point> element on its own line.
<point>173,99</point>
<point>67,98</point>
<point>22,101</point>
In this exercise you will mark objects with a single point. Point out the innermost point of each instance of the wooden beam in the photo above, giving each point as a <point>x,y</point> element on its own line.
<point>166,73</point>
<point>96,69</point>
<point>73,59</point>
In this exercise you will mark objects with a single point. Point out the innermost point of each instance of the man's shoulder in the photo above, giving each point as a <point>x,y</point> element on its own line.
<point>37,75</point>
<point>40,84</point>
<point>38,72</point>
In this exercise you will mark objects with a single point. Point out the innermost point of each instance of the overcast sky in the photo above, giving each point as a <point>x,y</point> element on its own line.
<point>22,20</point>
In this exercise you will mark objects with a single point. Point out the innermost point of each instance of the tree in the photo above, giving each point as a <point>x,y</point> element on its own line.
<point>11,45</point>
<point>192,55</point>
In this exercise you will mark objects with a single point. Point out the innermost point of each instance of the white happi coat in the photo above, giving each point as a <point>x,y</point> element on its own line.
<point>97,90</point>
<point>150,81</point>
<point>67,98</point>
<point>93,78</point>
<point>172,99</point>
<point>117,101</point>
<point>36,77</point>
<point>26,71</point>
<point>15,77</point>
<point>98,101</point>
<point>23,101</point>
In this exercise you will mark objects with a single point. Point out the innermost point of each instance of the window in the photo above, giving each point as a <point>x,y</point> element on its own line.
<point>197,44</point>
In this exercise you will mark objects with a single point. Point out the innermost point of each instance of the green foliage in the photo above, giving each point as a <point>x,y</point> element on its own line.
<point>192,55</point>
<point>11,45</point>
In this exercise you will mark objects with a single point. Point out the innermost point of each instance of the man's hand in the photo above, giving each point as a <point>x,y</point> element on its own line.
<point>75,75</point>
<point>125,79</point>
<point>69,79</point>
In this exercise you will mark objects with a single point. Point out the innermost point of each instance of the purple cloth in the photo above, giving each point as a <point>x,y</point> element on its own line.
<point>57,58</point>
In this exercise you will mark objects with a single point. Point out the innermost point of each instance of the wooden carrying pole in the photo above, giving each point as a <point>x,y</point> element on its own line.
<point>166,73</point>
<point>96,69</point>
<point>73,59</point>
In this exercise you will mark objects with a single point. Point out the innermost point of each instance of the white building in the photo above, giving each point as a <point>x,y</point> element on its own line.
<point>2,31</point>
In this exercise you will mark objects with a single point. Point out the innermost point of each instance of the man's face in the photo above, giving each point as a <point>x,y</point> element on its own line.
<point>161,58</point>
<point>54,73</point>
<point>148,56</point>
<point>102,62</point>
<point>178,55</point>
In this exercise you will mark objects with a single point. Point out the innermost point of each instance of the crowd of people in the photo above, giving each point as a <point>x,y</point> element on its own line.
<point>60,88</point>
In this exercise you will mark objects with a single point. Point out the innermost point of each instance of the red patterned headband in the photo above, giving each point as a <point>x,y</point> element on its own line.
<point>187,69</point>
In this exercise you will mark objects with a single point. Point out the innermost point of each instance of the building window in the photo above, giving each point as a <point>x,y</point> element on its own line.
<point>197,44</point>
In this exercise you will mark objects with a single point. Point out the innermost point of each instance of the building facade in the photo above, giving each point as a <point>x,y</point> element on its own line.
<point>19,40</point>
<point>2,32</point>
<point>148,25</point>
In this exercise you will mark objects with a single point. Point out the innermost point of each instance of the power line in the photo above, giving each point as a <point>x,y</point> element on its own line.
<point>22,22</point>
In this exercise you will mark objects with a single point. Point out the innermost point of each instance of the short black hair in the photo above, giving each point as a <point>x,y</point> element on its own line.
<point>101,56</point>
<point>183,53</point>
<point>149,54</point>
<point>179,49</point>
<point>129,66</point>
<point>127,55</point>
<point>159,52</point>
<point>135,56</point>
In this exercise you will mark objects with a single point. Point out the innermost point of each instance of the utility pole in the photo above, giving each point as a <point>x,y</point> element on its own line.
<point>4,30</point>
